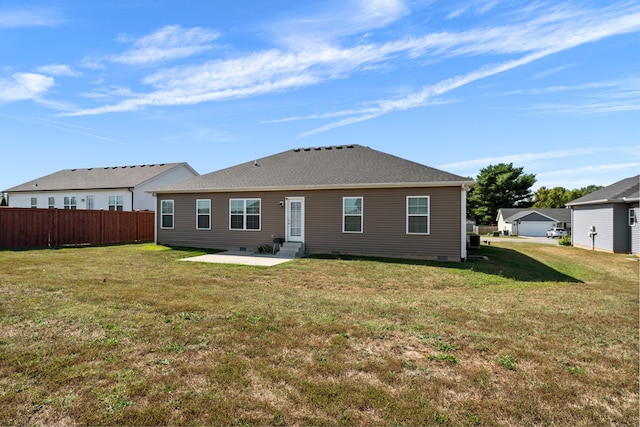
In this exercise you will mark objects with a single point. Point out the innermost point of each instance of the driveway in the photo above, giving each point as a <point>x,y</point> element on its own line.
<point>519,239</point>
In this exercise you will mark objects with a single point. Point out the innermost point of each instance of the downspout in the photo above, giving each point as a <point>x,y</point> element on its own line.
<point>131,191</point>
<point>155,219</point>
<point>463,221</point>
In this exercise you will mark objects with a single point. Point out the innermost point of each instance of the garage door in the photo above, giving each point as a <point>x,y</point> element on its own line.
<point>535,228</point>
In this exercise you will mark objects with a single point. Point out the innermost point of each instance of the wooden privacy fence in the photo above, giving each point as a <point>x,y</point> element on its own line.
<point>32,228</point>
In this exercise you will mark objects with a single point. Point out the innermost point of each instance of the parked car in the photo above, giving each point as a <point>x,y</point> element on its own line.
<point>556,232</point>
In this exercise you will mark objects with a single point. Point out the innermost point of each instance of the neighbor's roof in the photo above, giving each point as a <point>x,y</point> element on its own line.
<point>96,178</point>
<point>344,166</point>
<point>623,191</point>
<point>557,214</point>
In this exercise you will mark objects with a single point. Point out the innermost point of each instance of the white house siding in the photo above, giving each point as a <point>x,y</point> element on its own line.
<point>147,201</point>
<point>100,197</point>
<point>600,216</point>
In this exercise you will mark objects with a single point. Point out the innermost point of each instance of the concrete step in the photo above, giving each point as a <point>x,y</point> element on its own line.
<point>291,250</point>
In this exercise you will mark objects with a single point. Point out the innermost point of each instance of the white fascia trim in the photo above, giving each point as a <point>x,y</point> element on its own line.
<point>465,184</point>
<point>602,202</point>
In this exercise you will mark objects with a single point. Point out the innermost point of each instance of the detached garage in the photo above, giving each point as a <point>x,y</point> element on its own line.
<point>532,222</point>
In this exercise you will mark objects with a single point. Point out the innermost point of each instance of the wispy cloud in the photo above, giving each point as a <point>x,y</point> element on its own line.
<point>28,17</point>
<point>561,35</point>
<point>23,86</point>
<point>337,19</point>
<point>66,127</point>
<point>521,158</point>
<point>478,7</point>
<point>546,73</point>
<point>530,37</point>
<point>590,170</point>
<point>607,96</point>
<point>58,70</point>
<point>166,44</point>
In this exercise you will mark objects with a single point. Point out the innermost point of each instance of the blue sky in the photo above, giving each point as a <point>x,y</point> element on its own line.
<point>551,86</point>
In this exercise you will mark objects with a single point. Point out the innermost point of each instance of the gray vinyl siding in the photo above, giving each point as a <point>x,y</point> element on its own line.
<point>611,222</point>
<point>634,231</point>
<point>383,230</point>
<point>621,235</point>
<point>601,216</point>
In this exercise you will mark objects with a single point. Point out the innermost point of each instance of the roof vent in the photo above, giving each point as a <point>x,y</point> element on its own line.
<point>73,170</point>
<point>161,164</point>
<point>339,147</point>
<point>349,146</point>
<point>307,149</point>
<point>296,150</point>
<point>328,148</point>
<point>318,148</point>
<point>90,169</point>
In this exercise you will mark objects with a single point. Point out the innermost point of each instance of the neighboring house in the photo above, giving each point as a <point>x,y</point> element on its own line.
<point>607,219</point>
<point>120,188</point>
<point>533,222</point>
<point>345,199</point>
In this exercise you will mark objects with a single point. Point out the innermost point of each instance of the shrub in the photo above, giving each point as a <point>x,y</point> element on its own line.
<point>565,241</point>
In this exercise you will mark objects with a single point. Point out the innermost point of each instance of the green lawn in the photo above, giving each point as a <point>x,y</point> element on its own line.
<point>537,335</point>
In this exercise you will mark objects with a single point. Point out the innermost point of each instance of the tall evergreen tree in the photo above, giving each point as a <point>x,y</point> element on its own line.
<point>499,186</point>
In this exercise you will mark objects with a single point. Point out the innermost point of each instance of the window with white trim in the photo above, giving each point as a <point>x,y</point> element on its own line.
<point>52,202</point>
<point>166,214</point>
<point>203,214</point>
<point>352,209</point>
<point>633,217</point>
<point>418,214</point>
<point>91,204</point>
<point>70,202</point>
<point>116,203</point>
<point>34,202</point>
<point>244,214</point>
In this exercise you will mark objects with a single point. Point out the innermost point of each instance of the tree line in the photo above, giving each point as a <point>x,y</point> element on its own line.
<point>505,186</point>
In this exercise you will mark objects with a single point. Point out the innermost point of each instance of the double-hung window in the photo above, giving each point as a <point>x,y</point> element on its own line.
<point>34,202</point>
<point>116,203</point>
<point>244,214</point>
<point>70,202</point>
<point>203,214</point>
<point>633,216</point>
<point>352,214</point>
<point>52,202</point>
<point>166,214</point>
<point>418,215</point>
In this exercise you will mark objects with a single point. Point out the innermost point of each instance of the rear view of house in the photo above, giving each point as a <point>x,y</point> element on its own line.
<point>118,188</point>
<point>337,200</point>
<point>607,219</point>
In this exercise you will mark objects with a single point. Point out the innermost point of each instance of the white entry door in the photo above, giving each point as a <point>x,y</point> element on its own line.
<point>295,219</point>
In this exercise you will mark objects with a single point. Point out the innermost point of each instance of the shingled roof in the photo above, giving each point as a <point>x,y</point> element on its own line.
<point>95,178</point>
<point>557,214</point>
<point>344,166</point>
<point>624,191</point>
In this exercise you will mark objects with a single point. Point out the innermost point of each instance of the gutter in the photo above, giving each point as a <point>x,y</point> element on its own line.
<point>604,201</point>
<point>320,187</point>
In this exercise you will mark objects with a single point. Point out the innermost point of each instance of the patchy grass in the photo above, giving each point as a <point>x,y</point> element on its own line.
<point>538,334</point>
